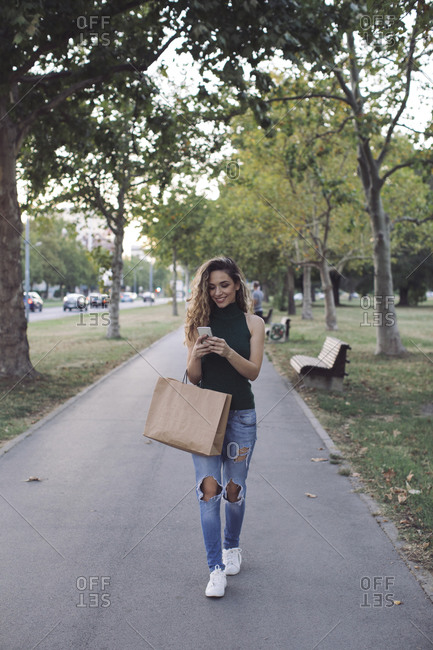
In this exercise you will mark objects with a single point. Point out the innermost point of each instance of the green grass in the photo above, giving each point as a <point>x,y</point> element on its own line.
<point>70,354</point>
<point>53,302</point>
<point>382,422</point>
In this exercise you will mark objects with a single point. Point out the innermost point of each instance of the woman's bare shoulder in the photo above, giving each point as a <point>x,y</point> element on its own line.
<point>255,323</point>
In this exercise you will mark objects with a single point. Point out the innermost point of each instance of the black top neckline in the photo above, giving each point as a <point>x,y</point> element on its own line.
<point>226,313</point>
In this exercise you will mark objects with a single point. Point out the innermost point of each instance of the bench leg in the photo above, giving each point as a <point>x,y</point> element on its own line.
<point>323,383</point>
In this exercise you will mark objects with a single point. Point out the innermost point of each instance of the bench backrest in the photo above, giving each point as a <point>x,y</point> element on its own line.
<point>333,354</point>
<point>268,317</point>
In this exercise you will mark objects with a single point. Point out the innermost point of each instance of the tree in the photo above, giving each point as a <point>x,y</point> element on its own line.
<point>173,226</point>
<point>304,177</point>
<point>373,76</point>
<point>52,52</point>
<point>130,144</point>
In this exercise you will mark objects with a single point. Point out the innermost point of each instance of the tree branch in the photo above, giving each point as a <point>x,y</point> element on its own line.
<point>308,96</point>
<point>47,47</point>
<point>80,85</point>
<point>390,172</point>
<point>404,101</point>
<point>418,222</point>
<point>345,88</point>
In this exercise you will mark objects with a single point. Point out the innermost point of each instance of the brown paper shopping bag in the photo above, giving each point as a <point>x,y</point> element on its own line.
<point>188,417</point>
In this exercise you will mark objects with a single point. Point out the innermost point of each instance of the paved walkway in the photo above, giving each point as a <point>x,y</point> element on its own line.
<point>105,552</point>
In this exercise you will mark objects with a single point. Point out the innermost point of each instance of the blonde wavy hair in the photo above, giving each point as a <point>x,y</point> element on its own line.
<point>200,304</point>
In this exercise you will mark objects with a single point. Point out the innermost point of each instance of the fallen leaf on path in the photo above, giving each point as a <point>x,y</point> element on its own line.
<point>32,478</point>
<point>318,460</point>
<point>312,496</point>
<point>397,602</point>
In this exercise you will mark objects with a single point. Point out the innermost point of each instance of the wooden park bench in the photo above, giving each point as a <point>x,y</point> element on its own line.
<point>278,332</point>
<point>268,317</point>
<point>328,369</point>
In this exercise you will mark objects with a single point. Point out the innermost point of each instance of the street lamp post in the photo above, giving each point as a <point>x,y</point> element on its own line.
<point>27,268</point>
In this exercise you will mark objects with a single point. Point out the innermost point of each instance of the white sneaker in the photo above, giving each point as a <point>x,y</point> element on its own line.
<point>232,559</point>
<point>217,583</point>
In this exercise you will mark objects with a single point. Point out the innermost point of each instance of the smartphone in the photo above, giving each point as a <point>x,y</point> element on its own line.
<point>204,331</point>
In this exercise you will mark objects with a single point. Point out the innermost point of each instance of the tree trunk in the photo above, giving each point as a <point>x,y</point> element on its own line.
<point>307,311</point>
<point>330,313</point>
<point>175,312</point>
<point>284,290</point>
<point>388,339</point>
<point>186,284</point>
<point>387,335</point>
<point>336,279</point>
<point>14,347</point>
<point>291,291</point>
<point>113,330</point>
<point>404,297</point>
<point>313,293</point>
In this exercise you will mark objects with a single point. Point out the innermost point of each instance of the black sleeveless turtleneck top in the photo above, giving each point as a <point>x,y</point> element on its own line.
<point>229,323</point>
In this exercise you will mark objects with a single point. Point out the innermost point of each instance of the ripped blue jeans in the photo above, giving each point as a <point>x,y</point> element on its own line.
<point>234,461</point>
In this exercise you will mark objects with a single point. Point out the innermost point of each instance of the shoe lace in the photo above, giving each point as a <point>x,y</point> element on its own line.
<point>216,574</point>
<point>231,553</point>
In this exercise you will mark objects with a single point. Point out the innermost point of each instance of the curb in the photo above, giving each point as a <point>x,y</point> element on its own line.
<point>59,409</point>
<point>422,576</point>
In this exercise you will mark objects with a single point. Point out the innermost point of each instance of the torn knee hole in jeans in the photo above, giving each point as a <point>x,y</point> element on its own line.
<point>242,455</point>
<point>205,492</point>
<point>234,492</point>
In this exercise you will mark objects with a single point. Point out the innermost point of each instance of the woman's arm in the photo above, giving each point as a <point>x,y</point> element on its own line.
<point>248,368</point>
<point>196,350</point>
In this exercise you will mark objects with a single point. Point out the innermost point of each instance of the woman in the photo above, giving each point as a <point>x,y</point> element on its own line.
<point>226,361</point>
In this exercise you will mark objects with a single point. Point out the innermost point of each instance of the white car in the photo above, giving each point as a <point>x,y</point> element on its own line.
<point>148,296</point>
<point>75,301</point>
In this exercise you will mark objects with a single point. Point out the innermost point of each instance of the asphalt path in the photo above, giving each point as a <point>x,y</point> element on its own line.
<point>105,550</point>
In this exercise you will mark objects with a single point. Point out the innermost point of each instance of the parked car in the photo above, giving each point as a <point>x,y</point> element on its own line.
<point>75,301</point>
<point>105,299</point>
<point>148,296</point>
<point>95,300</point>
<point>34,301</point>
<point>127,296</point>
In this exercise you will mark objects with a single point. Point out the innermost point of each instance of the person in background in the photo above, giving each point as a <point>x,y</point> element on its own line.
<point>227,362</point>
<point>258,299</point>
